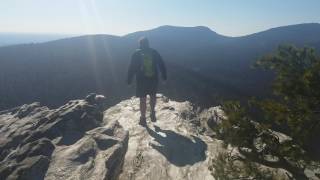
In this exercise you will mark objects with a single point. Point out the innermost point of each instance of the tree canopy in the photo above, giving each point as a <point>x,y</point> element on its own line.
<point>279,132</point>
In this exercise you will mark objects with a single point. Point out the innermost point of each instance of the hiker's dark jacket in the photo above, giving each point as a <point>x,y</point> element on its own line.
<point>143,75</point>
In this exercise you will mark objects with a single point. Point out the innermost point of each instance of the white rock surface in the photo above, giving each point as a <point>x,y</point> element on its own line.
<point>98,155</point>
<point>79,141</point>
<point>170,148</point>
<point>67,143</point>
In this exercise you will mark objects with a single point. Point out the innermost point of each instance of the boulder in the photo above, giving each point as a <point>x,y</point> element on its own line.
<point>41,143</point>
<point>170,148</point>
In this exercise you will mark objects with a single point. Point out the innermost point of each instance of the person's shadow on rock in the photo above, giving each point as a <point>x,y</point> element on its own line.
<point>178,149</point>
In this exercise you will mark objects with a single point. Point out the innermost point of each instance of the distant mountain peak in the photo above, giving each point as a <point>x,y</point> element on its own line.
<point>184,28</point>
<point>292,28</point>
<point>169,30</point>
<point>297,26</point>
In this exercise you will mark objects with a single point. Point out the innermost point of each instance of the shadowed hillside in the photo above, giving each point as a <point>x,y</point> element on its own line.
<point>204,67</point>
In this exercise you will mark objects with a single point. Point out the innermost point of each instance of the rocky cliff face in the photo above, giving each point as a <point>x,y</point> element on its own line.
<point>174,147</point>
<point>65,143</point>
<point>80,141</point>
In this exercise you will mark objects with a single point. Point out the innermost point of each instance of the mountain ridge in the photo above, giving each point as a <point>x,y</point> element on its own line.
<point>198,64</point>
<point>181,27</point>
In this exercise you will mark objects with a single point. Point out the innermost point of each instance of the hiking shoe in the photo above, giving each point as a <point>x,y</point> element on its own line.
<point>142,121</point>
<point>153,116</point>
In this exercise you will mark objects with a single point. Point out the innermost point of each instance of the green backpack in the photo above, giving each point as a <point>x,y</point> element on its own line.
<point>147,64</point>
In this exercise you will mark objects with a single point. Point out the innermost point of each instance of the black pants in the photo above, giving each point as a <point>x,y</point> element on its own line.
<point>146,87</point>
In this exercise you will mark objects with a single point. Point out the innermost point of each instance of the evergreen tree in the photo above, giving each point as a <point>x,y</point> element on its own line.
<point>280,132</point>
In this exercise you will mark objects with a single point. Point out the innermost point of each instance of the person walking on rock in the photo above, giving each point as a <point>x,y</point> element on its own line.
<point>145,64</point>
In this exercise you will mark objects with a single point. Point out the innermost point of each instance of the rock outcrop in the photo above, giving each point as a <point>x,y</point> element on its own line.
<point>80,141</point>
<point>174,147</point>
<point>65,143</point>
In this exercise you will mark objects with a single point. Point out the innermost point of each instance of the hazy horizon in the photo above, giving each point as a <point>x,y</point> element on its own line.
<point>65,34</point>
<point>79,17</point>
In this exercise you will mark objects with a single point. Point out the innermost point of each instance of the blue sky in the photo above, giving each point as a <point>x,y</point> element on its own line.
<point>119,17</point>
